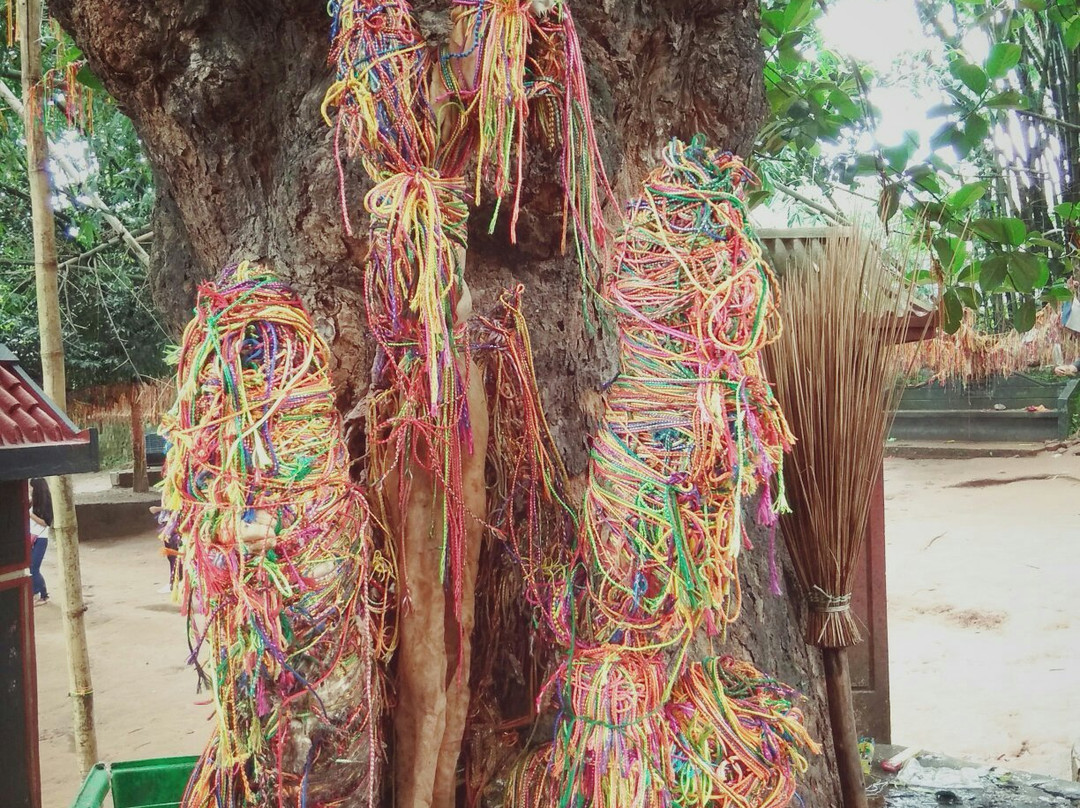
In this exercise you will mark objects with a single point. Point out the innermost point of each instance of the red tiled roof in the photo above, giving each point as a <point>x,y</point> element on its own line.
<point>26,418</point>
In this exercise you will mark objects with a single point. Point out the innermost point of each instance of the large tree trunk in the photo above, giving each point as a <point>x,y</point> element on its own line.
<point>225,95</point>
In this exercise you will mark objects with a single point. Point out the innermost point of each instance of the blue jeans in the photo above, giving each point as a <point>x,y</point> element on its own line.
<point>37,554</point>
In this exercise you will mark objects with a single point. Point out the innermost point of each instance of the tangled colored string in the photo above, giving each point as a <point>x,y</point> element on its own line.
<point>690,431</point>
<point>530,505</point>
<point>282,587</point>
<point>381,61</point>
<point>510,63</point>
<point>737,737</point>
<point>691,428</point>
<point>417,118</point>
<point>529,68</point>
<point>413,281</point>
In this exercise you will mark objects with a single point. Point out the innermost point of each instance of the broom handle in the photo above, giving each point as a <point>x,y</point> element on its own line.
<point>842,718</point>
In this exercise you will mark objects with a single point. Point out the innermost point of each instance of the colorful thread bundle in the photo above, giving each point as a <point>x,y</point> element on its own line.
<point>737,737</point>
<point>529,508</point>
<point>413,289</point>
<point>611,744</point>
<point>528,67</point>
<point>282,586</point>
<point>418,231</point>
<point>691,427</point>
<point>382,62</point>
<point>417,128</point>
<point>690,431</point>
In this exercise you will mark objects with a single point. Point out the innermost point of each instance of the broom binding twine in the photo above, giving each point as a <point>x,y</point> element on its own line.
<point>830,622</point>
<point>821,602</point>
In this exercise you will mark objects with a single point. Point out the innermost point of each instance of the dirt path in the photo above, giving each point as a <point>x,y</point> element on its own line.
<point>984,631</point>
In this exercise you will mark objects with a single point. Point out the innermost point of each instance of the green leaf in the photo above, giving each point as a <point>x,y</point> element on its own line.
<point>87,79</point>
<point>966,196</point>
<point>1027,271</point>
<point>1003,230</point>
<point>1024,316</point>
<point>866,164</point>
<point>1003,57</point>
<point>976,130</point>
<point>929,182</point>
<point>796,14</point>
<point>843,104</point>
<point>889,201</point>
<point>755,198</point>
<point>972,76</point>
<point>970,273</point>
<point>87,233</point>
<point>968,296</point>
<point>1068,210</point>
<point>898,156</point>
<point>931,211</point>
<point>1058,293</point>
<point>947,135</point>
<point>1033,5</point>
<point>954,311</point>
<point>946,167</point>
<point>1072,33</point>
<point>1056,271</point>
<point>952,253</point>
<point>1053,246</point>
<point>773,20</point>
<point>1010,99</point>
<point>940,110</point>
<point>994,272</point>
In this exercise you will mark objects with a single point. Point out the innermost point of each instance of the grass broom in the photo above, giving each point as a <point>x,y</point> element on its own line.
<point>835,371</point>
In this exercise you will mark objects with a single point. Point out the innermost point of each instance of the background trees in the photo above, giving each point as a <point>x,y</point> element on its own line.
<point>993,190</point>
<point>103,197</point>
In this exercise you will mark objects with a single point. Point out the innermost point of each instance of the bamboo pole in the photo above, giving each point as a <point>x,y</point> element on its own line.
<point>140,481</point>
<point>65,527</point>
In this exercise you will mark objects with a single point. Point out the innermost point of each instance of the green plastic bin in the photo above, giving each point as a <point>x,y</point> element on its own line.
<point>154,783</point>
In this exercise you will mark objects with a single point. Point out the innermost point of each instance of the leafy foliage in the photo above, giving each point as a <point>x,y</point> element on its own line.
<point>111,330</point>
<point>996,193</point>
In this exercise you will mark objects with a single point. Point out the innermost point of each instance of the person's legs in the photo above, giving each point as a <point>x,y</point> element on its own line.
<point>37,554</point>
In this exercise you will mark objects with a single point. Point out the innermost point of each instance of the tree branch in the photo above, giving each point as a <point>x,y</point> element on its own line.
<point>61,217</point>
<point>810,203</point>
<point>142,237</point>
<point>1046,118</point>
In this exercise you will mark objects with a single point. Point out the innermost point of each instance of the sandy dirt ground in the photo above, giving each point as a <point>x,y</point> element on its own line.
<point>984,613</point>
<point>984,631</point>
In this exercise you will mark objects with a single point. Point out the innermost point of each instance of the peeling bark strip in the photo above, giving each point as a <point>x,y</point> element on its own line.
<point>225,95</point>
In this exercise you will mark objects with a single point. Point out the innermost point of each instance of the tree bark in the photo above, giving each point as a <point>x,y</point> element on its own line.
<point>65,529</point>
<point>225,95</point>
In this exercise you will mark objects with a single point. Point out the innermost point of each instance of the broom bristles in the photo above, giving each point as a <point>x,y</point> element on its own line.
<point>834,370</point>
